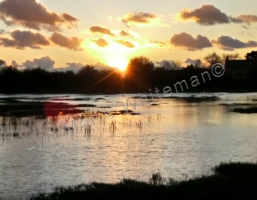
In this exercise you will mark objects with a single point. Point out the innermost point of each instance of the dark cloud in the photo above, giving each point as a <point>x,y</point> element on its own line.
<point>205,15</point>
<point>244,19</point>
<point>31,14</point>
<point>210,15</point>
<point>141,18</point>
<point>23,39</point>
<point>125,43</point>
<point>45,63</point>
<point>101,30</point>
<point>73,43</point>
<point>69,18</point>
<point>229,44</point>
<point>100,42</point>
<point>188,42</point>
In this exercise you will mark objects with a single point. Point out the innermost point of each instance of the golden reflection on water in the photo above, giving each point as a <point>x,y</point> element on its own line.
<point>175,138</point>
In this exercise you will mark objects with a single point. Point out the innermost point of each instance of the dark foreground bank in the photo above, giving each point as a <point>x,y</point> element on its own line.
<point>228,181</point>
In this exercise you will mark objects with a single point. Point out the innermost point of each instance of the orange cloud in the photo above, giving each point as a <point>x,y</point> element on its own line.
<point>141,19</point>
<point>125,34</point>
<point>125,43</point>
<point>100,42</point>
<point>101,30</point>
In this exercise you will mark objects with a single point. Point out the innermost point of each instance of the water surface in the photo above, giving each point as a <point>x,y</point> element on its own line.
<point>176,137</point>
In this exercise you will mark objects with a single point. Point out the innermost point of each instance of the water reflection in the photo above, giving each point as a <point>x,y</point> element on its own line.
<point>175,137</point>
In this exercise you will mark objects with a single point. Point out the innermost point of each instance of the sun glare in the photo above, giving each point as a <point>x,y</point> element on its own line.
<point>114,55</point>
<point>120,63</point>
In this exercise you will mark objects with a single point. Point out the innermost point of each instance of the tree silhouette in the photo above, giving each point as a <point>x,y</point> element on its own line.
<point>252,56</point>
<point>213,58</point>
<point>139,74</point>
<point>139,66</point>
<point>229,56</point>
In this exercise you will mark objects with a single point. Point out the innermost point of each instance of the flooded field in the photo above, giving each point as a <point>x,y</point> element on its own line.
<point>49,140</point>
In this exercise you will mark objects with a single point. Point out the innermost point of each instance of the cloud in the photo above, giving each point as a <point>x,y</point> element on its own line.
<point>100,66</point>
<point>73,43</point>
<point>100,42</point>
<point>75,67</point>
<point>31,14</point>
<point>161,44</point>
<point>244,19</point>
<point>230,44</point>
<point>193,61</point>
<point>125,34</point>
<point>210,15</point>
<point>18,66</point>
<point>125,43</point>
<point>188,42</point>
<point>29,64</point>
<point>2,32</point>
<point>205,15</point>
<point>23,39</point>
<point>167,65</point>
<point>45,63</point>
<point>245,27</point>
<point>101,30</point>
<point>141,19</point>
<point>130,34</point>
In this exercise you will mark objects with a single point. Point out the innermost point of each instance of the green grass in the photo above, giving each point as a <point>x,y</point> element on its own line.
<point>228,181</point>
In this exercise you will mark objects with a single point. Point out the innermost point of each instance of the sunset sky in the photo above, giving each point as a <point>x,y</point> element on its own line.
<point>67,33</point>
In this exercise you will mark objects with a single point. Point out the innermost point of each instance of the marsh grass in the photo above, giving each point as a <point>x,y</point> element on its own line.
<point>228,181</point>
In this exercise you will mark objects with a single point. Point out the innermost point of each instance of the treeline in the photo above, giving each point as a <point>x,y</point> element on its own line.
<point>141,76</point>
<point>35,81</point>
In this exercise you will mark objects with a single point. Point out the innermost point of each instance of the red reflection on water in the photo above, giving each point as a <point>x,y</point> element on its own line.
<point>57,108</point>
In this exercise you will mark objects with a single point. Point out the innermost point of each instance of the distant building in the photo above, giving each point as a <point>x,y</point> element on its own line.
<point>239,69</point>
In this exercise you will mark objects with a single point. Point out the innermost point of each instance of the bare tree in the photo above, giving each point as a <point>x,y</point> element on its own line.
<point>212,58</point>
<point>230,56</point>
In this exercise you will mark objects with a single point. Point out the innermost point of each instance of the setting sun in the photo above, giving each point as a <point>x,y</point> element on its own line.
<point>120,63</point>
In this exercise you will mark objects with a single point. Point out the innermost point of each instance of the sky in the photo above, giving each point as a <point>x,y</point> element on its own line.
<point>70,34</point>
